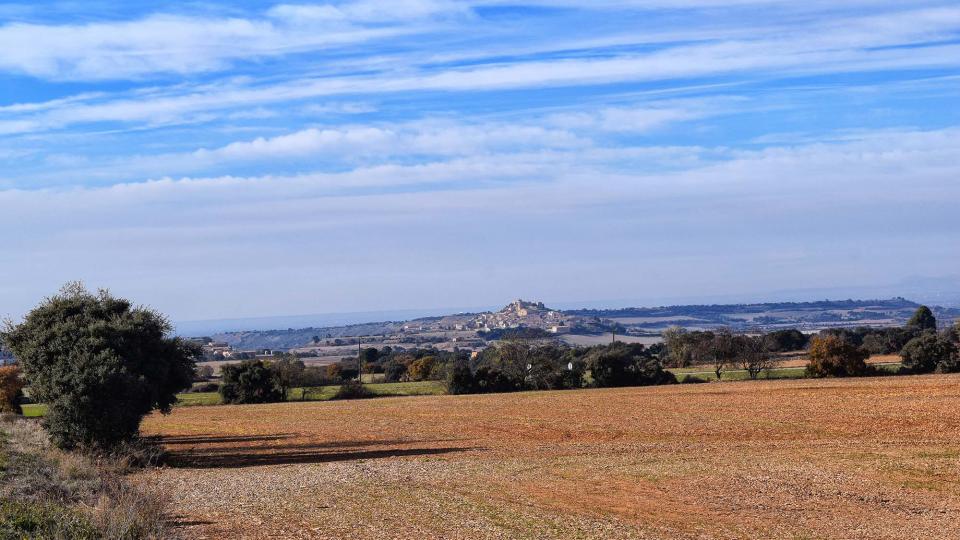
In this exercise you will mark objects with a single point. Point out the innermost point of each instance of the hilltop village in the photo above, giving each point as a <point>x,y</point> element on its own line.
<point>534,320</point>
<point>464,331</point>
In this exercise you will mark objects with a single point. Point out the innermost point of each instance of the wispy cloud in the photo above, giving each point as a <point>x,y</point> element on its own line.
<point>350,145</point>
<point>163,43</point>
<point>882,42</point>
<point>641,140</point>
<point>753,201</point>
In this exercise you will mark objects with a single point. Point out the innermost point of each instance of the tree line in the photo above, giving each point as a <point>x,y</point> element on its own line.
<point>101,363</point>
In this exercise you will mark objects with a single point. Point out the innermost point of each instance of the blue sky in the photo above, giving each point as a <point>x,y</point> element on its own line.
<point>246,159</point>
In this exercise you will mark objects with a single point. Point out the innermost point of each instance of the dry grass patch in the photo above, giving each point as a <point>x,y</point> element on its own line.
<point>47,493</point>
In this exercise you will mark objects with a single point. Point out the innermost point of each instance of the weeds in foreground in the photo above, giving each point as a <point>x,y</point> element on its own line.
<point>50,494</point>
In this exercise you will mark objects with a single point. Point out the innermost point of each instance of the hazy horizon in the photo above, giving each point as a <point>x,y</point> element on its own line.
<point>932,296</point>
<point>232,160</point>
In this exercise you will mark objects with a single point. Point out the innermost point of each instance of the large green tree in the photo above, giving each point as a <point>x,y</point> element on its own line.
<point>100,363</point>
<point>287,374</point>
<point>930,352</point>
<point>250,381</point>
<point>625,364</point>
<point>923,319</point>
<point>833,356</point>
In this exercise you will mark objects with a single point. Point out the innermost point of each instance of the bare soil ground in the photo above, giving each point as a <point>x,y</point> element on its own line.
<point>861,458</point>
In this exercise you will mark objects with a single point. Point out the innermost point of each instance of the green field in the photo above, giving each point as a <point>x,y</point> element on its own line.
<point>424,388</point>
<point>433,388</point>
<point>323,393</point>
<point>198,398</point>
<point>741,375</point>
<point>736,375</point>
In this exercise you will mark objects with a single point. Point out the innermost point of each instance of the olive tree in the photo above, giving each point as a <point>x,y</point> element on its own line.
<point>100,364</point>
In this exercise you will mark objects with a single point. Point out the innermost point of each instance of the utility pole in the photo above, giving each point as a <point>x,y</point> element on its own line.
<point>359,360</point>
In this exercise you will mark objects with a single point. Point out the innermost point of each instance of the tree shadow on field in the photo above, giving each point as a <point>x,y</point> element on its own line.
<point>216,452</point>
<point>210,439</point>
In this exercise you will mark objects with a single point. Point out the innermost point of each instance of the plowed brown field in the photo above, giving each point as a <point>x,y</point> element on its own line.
<point>861,458</point>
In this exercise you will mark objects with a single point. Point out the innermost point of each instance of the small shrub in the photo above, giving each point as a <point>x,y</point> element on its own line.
<point>11,390</point>
<point>137,454</point>
<point>129,510</point>
<point>352,390</point>
<point>693,379</point>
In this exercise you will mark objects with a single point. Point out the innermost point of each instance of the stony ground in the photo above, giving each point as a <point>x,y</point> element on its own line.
<point>865,458</point>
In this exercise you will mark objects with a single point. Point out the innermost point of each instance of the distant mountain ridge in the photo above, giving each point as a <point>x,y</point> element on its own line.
<point>637,320</point>
<point>896,303</point>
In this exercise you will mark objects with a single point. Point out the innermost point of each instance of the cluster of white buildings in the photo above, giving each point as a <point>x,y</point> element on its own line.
<point>527,314</point>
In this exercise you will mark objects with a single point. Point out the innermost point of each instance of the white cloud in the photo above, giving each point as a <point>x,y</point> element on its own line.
<point>301,143</point>
<point>163,43</point>
<point>645,117</point>
<point>848,45</point>
<point>339,108</point>
<point>368,11</point>
<point>877,192</point>
<point>686,4</point>
<point>444,186</point>
<point>341,146</point>
<point>876,162</point>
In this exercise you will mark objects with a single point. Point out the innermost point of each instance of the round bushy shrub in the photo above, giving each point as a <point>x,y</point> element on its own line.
<point>203,388</point>
<point>100,364</point>
<point>352,390</point>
